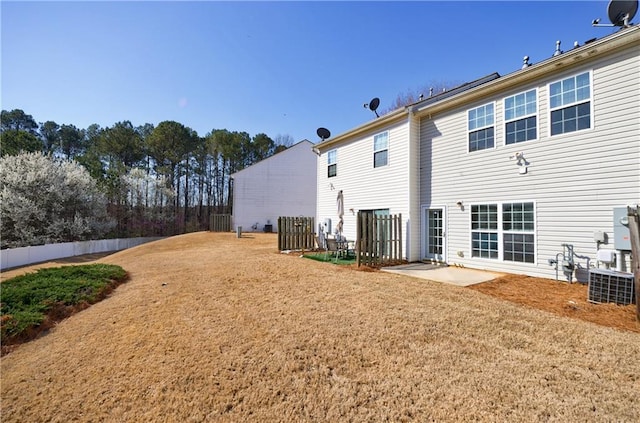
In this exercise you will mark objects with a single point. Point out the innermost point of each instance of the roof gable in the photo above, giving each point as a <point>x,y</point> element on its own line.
<point>301,145</point>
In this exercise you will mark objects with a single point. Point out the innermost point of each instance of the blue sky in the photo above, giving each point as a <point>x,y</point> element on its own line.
<point>272,67</point>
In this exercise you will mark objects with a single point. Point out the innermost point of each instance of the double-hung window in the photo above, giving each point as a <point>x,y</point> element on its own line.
<point>381,149</point>
<point>480,127</point>
<point>509,235</point>
<point>332,163</point>
<point>484,231</point>
<point>520,117</point>
<point>570,104</point>
<point>518,236</point>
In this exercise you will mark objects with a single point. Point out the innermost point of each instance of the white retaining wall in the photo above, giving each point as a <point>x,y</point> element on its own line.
<point>22,256</point>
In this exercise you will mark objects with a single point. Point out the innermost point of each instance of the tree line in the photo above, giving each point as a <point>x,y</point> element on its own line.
<point>160,179</point>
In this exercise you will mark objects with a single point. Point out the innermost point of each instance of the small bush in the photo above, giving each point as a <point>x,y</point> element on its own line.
<point>33,302</point>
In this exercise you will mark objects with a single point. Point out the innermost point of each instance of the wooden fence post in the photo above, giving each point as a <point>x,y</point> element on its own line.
<point>358,237</point>
<point>400,236</point>
<point>633,214</point>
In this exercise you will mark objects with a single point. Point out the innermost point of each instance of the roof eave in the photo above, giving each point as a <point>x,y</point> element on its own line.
<point>383,120</point>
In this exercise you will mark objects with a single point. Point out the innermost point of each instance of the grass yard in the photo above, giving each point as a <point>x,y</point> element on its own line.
<point>215,328</point>
<point>330,258</point>
<point>34,302</point>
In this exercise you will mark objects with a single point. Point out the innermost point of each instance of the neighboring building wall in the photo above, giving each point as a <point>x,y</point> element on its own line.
<point>365,187</point>
<point>281,185</point>
<point>574,179</point>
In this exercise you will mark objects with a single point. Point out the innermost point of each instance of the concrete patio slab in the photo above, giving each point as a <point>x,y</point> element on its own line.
<point>447,274</point>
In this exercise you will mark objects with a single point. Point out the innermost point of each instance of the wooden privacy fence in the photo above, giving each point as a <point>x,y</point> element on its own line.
<point>378,239</point>
<point>633,213</point>
<point>220,223</point>
<point>296,233</point>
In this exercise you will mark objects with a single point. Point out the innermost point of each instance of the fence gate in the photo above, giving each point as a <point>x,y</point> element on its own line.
<point>378,239</point>
<point>220,223</point>
<point>296,233</point>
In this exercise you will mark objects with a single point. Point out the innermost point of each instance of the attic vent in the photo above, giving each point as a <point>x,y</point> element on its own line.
<point>609,286</point>
<point>558,52</point>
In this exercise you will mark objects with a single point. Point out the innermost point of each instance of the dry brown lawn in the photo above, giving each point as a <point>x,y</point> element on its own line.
<point>215,328</point>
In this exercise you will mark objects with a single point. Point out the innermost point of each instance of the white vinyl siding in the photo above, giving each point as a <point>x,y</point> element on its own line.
<point>281,185</point>
<point>574,179</point>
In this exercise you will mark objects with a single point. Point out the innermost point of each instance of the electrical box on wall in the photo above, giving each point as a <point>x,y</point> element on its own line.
<point>327,225</point>
<point>598,236</point>
<point>621,237</point>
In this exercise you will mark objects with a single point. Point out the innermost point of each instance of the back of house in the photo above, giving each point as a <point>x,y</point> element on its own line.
<point>524,173</point>
<point>529,173</point>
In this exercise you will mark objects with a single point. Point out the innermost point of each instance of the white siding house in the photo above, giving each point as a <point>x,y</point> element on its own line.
<point>574,122</point>
<point>375,169</point>
<point>348,163</point>
<point>512,171</point>
<point>281,185</point>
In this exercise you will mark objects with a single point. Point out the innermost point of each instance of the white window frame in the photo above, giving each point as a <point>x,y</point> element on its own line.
<point>485,230</point>
<point>332,154</point>
<point>500,231</point>
<point>479,128</point>
<point>569,104</point>
<point>380,150</point>
<point>518,117</point>
<point>530,232</point>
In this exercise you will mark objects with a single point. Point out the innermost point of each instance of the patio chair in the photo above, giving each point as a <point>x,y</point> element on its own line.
<point>321,243</point>
<point>334,248</point>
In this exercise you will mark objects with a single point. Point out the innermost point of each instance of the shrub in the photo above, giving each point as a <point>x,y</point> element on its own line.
<point>31,303</point>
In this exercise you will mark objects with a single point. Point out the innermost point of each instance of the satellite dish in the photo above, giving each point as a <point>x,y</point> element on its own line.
<point>622,11</point>
<point>323,133</point>
<point>373,105</point>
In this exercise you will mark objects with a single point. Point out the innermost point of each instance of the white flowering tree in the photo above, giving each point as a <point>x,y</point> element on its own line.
<point>45,200</point>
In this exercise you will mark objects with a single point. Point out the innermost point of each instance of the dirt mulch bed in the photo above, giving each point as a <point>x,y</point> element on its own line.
<point>561,298</point>
<point>215,328</point>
